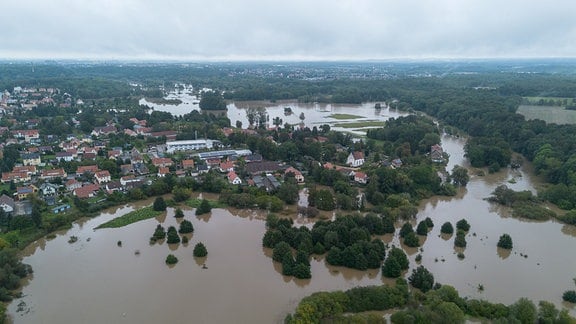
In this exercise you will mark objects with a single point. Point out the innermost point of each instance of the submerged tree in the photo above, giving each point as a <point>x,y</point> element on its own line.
<point>200,250</point>
<point>505,242</point>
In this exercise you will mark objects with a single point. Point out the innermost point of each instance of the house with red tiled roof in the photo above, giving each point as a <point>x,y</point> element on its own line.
<point>114,154</point>
<point>102,176</point>
<point>233,178</point>
<point>360,177</point>
<point>15,176</point>
<point>162,162</point>
<point>53,174</point>
<point>187,164</point>
<point>163,171</point>
<point>87,191</point>
<point>72,184</point>
<point>226,166</point>
<point>297,174</point>
<point>92,169</point>
<point>29,169</point>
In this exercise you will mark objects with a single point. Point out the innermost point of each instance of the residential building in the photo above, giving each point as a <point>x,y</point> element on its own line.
<point>233,178</point>
<point>53,174</point>
<point>360,177</point>
<point>31,159</point>
<point>297,174</point>
<point>355,159</point>
<point>102,176</point>
<point>436,153</point>
<point>162,162</point>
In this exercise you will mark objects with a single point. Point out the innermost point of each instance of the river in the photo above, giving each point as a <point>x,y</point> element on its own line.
<point>96,281</point>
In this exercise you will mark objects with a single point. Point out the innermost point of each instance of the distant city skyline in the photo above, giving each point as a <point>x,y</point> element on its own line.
<point>287,30</point>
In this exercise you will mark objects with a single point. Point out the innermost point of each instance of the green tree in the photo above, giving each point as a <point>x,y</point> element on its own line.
<point>463,225</point>
<point>460,176</point>
<point>204,207</point>
<point>422,279</point>
<point>200,250</point>
<point>406,228</point>
<point>288,192</point>
<point>172,236</point>
<point>178,213</point>
<point>171,259</point>
<point>422,228</point>
<point>524,310</point>
<point>181,194</point>
<point>505,242</point>
<point>159,204</point>
<point>324,200</point>
<point>159,232</point>
<point>280,250</point>
<point>186,227</point>
<point>460,240</point>
<point>569,296</point>
<point>411,240</point>
<point>447,228</point>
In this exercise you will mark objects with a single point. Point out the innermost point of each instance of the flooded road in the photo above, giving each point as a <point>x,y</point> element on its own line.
<point>95,281</point>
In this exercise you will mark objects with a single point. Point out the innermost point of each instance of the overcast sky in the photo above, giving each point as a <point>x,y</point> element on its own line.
<point>289,29</point>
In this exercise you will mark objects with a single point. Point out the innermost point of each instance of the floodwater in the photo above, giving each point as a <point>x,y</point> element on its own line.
<point>315,114</point>
<point>96,281</point>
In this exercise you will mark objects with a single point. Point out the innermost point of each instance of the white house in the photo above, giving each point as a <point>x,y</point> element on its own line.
<point>355,159</point>
<point>233,178</point>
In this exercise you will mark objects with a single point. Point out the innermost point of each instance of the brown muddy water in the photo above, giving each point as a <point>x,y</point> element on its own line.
<point>95,281</point>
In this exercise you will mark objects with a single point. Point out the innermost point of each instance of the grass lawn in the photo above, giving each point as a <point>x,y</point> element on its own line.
<point>549,114</point>
<point>131,217</point>
<point>368,123</point>
<point>344,116</point>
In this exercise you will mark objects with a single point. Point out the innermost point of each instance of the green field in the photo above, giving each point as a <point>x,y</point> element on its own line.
<point>549,114</point>
<point>368,123</point>
<point>344,116</point>
<point>131,217</point>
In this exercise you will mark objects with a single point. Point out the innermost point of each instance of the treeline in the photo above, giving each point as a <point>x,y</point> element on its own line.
<point>440,305</point>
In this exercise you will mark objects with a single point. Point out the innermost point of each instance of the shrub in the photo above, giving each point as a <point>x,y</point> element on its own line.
<point>411,240</point>
<point>178,213</point>
<point>159,233</point>
<point>422,228</point>
<point>204,207</point>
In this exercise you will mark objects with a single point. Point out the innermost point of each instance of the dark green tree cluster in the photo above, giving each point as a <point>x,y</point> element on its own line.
<point>422,279</point>
<point>447,228</point>
<point>463,225</point>
<point>204,207</point>
<point>417,133</point>
<point>171,259</point>
<point>159,233</point>
<point>186,227</point>
<point>212,100</point>
<point>460,240</point>
<point>252,198</point>
<point>159,204</point>
<point>410,238</point>
<point>200,250</point>
<point>505,242</point>
<point>395,263</point>
<point>282,237</point>
<point>459,176</point>
<point>172,236</point>
<point>322,199</point>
